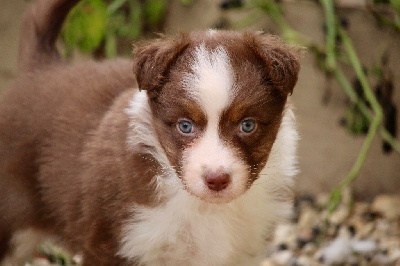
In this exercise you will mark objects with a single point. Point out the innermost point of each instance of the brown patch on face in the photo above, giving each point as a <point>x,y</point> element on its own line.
<point>152,61</point>
<point>168,112</point>
<point>281,62</point>
<point>253,148</point>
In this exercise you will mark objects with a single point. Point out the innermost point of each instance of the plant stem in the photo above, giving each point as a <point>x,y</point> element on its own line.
<point>374,125</point>
<point>349,90</point>
<point>274,11</point>
<point>390,139</point>
<point>394,24</point>
<point>355,62</point>
<point>330,22</point>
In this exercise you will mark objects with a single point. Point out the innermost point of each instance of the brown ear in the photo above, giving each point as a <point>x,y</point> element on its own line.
<point>281,60</point>
<point>153,60</point>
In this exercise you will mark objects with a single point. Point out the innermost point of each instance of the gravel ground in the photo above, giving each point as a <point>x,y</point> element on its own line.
<point>357,233</point>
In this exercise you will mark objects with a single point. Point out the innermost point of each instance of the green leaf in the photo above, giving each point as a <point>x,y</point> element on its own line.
<point>396,6</point>
<point>85,26</point>
<point>134,29</point>
<point>154,11</point>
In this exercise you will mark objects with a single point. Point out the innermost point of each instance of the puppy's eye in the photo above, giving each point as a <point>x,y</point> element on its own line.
<point>185,127</point>
<point>248,125</point>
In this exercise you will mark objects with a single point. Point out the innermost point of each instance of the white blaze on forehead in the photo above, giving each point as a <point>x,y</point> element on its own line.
<point>211,80</point>
<point>211,84</point>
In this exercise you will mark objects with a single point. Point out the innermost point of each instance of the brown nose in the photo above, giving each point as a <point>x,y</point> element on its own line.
<point>217,181</point>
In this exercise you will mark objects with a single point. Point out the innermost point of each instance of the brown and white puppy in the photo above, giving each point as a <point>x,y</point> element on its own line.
<point>192,168</point>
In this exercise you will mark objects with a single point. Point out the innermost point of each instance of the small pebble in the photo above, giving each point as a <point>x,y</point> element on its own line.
<point>285,234</point>
<point>338,251</point>
<point>306,261</point>
<point>388,205</point>
<point>309,248</point>
<point>268,262</point>
<point>322,200</point>
<point>282,257</point>
<point>363,246</point>
<point>339,215</point>
<point>308,218</point>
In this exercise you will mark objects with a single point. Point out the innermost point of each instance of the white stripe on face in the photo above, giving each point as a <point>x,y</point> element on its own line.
<point>211,81</point>
<point>211,84</point>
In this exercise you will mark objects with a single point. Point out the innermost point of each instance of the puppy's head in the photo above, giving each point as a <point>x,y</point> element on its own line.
<point>217,100</point>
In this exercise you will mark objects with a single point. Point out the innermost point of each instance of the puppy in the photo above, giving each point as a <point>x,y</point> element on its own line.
<point>187,161</point>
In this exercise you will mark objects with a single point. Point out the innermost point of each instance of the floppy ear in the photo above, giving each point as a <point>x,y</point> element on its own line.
<point>281,60</point>
<point>153,60</point>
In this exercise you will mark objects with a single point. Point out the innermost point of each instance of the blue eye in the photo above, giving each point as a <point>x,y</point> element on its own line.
<point>248,125</point>
<point>185,127</point>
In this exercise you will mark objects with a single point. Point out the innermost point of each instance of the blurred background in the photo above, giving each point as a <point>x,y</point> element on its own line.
<point>331,124</point>
<point>347,203</point>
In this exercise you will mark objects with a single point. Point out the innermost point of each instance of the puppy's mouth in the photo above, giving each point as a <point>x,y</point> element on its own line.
<point>213,197</point>
<point>218,192</point>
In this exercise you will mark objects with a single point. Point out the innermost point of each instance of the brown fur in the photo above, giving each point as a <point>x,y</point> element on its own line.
<point>65,167</point>
<point>45,127</point>
<point>40,28</point>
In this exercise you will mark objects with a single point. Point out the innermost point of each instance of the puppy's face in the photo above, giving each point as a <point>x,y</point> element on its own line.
<point>217,111</point>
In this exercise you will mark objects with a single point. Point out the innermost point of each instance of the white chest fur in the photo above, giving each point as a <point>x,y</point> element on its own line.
<point>187,231</point>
